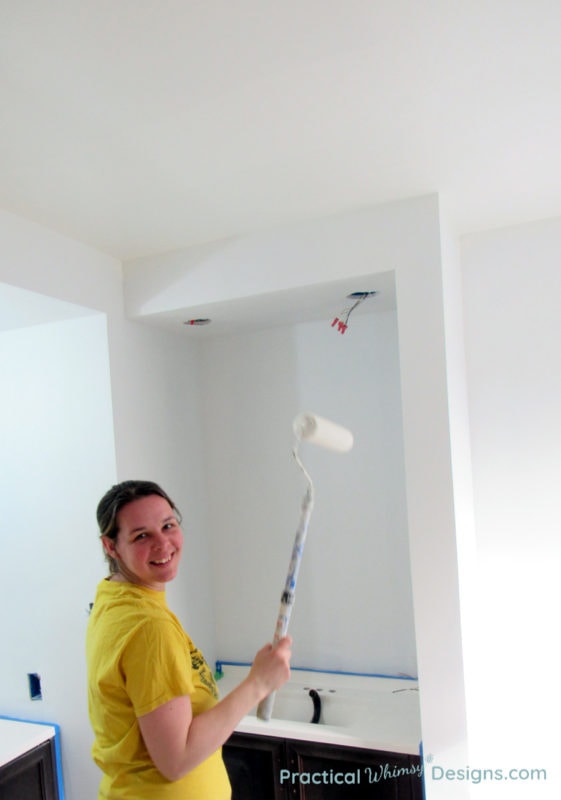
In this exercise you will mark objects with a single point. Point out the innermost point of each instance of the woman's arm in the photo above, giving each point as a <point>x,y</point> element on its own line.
<point>177,742</point>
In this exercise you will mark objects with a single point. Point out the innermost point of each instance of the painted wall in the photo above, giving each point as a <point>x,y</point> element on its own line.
<point>430,361</point>
<point>151,430</point>
<point>354,604</point>
<point>512,285</point>
<point>57,455</point>
<point>405,238</point>
<point>157,412</point>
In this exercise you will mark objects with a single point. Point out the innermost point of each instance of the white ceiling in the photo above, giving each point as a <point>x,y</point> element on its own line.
<point>20,308</point>
<point>144,126</point>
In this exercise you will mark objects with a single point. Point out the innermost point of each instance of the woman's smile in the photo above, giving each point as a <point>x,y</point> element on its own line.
<point>163,561</point>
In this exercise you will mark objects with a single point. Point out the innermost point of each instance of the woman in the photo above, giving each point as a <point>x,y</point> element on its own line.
<point>153,702</point>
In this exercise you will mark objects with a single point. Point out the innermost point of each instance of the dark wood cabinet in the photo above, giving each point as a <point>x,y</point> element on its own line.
<point>268,768</point>
<point>331,772</point>
<point>254,764</point>
<point>32,776</point>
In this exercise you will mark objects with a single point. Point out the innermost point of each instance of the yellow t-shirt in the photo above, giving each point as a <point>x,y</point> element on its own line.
<point>138,658</point>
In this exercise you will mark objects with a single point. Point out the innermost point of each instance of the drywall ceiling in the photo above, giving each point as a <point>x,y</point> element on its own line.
<point>330,302</point>
<point>20,308</point>
<point>145,126</point>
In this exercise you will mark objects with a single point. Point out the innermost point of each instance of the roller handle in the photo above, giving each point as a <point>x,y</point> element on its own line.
<point>265,707</point>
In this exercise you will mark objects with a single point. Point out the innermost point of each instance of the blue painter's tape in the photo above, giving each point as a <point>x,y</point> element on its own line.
<point>221,664</point>
<point>422,757</point>
<point>58,751</point>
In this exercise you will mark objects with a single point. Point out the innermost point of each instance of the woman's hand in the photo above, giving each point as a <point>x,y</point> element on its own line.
<point>271,667</point>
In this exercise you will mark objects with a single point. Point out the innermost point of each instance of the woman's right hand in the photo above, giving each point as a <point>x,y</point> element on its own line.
<point>271,667</point>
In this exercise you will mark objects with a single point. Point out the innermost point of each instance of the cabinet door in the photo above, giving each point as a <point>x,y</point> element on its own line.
<point>326,772</point>
<point>254,764</point>
<point>30,777</point>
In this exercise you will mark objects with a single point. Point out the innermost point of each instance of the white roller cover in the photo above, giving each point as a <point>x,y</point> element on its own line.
<point>323,432</point>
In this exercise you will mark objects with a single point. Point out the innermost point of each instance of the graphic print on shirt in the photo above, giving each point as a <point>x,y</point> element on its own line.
<point>205,675</point>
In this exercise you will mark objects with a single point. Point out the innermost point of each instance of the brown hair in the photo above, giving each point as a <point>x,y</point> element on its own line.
<point>115,499</point>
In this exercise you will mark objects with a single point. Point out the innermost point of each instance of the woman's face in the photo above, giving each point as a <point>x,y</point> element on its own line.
<point>148,545</point>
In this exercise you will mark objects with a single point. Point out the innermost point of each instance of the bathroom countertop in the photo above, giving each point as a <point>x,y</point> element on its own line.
<point>18,737</point>
<point>364,736</point>
<point>371,712</point>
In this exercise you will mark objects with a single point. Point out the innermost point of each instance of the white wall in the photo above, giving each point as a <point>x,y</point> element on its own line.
<point>157,410</point>
<point>512,286</point>
<point>57,455</point>
<point>428,369</point>
<point>405,238</point>
<point>354,605</point>
<point>154,433</point>
<point>510,290</point>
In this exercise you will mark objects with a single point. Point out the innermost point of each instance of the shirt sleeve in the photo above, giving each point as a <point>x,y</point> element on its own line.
<point>156,666</point>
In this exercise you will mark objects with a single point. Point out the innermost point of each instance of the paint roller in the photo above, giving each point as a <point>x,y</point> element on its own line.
<point>323,433</point>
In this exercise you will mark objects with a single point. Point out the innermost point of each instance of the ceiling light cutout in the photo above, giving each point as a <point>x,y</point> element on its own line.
<point>342,321</point>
